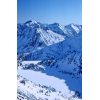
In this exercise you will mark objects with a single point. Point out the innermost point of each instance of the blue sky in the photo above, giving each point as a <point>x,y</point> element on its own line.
<point>50,11</point>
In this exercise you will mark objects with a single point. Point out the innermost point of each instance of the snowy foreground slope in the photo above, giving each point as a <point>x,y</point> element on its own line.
<point>30,91</point>
<point>49,61</point>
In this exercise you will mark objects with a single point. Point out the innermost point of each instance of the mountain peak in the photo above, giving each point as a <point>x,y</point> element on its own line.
<point>56,24</point>
<point>30,22</point>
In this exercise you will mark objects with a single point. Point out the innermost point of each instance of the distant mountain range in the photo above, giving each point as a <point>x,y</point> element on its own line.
<point>33,35</point>
<point>58,48</point>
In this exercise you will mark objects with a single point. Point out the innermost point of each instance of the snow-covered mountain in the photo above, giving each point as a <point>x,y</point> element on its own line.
<point>33,35</point>
<point>50,52</point>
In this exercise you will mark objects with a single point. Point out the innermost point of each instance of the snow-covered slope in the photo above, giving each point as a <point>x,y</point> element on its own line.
<point>47,73</point>
<point>50,55</point>
<point>27,90</point>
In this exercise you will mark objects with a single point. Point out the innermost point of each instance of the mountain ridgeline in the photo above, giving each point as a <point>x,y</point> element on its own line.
<point>33,36</point>
<point>56,46</point>
<point>54,42</point>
